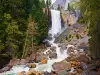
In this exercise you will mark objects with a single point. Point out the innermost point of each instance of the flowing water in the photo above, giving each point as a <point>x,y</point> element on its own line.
<point>55,30</point>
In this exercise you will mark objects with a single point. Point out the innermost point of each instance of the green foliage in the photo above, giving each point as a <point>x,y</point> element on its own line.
<point>42,23</point>
<point>13,24</point>
<point>91,15</point>
<point>70,36</point>
<point>77,36</point>
<point>42,3</point>
<point>37,27</point>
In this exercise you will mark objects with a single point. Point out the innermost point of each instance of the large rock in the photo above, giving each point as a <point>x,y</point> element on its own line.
<point>14,61</point>
<point>22,73</point>
<point>53,48</point>
<point>36,57</point>
<point>52,55</point>
<point>90,73</point>
<point>39,57</point>
<point>32,57</point>
<point>28,59</point>
<point>33,72</point>
<point>32,65</point>
<point>83,58</point>
<point>23,61</point>
<point>61,66</point>
<point>47,44</point>
<point>44,61</point>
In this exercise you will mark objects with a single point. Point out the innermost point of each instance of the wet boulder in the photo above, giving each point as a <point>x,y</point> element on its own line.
<point>23,61</point>
<point>38,57</point>
<point>14,61</point>
<point>22,73</point>
<point>44,61</point>
<point>52,54</point>
<point>32,57</point>
<point>47,44</point>
<point>83,58</point>
<point>61,66</point>
<point>53,48</point>
<point>32,65</point>
<point>49,38</point>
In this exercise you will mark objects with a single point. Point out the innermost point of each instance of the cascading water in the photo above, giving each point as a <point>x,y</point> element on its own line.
<point>55,30</point>
<point>56,22</point>
<point>66,4</point>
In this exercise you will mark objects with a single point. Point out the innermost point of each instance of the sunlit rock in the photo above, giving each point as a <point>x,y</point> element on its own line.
<point>22,73</point>
<point>23,61</point>
<point>14,61</point>
<point>44,61</point>
<point>32,65</point>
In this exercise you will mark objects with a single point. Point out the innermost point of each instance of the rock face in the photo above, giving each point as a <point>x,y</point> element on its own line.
<point>14,61</point>
<point>83,58</point>
<point>32,57</point>
<point>61,66</point>
<point>68,18</point>
<point>23,61</point>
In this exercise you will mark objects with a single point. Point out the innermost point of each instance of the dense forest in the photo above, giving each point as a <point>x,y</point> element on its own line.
<point>21,27</point>
<point>91,16</point>
<point>24,25</point>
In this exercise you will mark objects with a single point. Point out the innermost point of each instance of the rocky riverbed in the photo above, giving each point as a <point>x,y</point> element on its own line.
<point>78,62</point>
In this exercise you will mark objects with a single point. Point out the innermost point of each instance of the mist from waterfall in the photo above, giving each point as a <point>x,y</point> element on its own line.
<point>56,22</point>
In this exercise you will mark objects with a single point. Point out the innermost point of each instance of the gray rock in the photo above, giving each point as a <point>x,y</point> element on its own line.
<point>89,73</point>
<point>63,48</point>
<point>23,61</point>
<point>53,48</point>
<point>49,38</point>
<point>47,44</point>
<point>47,73</point>
<point>61,66</point>
<point>53,55</point>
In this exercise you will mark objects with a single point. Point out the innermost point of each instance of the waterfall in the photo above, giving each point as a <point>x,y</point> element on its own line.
<point>56,22</point>
<point>66,4</point>
<point>55,30</point>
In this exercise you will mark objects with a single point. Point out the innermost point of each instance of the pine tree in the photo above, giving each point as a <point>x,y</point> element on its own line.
<point>91,15</point>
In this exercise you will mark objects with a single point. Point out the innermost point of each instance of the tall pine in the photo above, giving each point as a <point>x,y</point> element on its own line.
<point>91,15</point>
